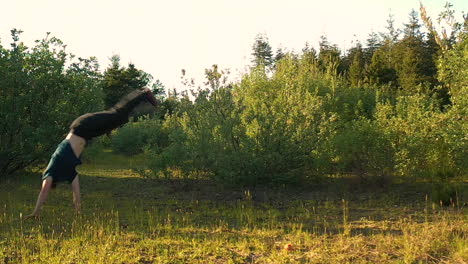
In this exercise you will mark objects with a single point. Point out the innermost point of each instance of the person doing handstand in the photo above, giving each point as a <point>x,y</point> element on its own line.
<point>66,157</point>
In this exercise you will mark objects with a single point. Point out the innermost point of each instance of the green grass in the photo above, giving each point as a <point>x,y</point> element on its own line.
<point>130,219</point>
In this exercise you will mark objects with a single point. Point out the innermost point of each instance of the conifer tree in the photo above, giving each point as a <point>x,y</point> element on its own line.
<point>380,70</point>
<point>356,68</point>
<point>373,42</point>
<point>413,28</point>
<point>119,81</point>
<point>279,54</point>
<point>393,33</point>
<point>262,52</point>
<point>412,59</point>
<point>329,56</point>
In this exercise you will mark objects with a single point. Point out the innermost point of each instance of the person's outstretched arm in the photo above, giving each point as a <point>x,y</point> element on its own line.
<point>76,194</point>
<point>46,186</point>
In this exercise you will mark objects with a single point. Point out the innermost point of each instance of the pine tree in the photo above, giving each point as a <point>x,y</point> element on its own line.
<point>412,59</point>
<point>262,52</point>
<point>279,55</point>
<point>329,57</point>
<point>119,81</point>
<point>432,52</point>
<point>356,68</point>
<point>380,70</point>
<point>393,33</point>
<point>373,42</point>
<point>413,28</point>
<point>309,54</point>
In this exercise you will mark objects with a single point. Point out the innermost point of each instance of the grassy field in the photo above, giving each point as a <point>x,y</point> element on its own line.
<point>130,219</point>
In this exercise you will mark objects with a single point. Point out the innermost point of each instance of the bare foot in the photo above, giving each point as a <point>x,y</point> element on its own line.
<point>150,96</point>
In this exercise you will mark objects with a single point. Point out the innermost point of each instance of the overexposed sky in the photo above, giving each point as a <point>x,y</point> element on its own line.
<point>163,37</point>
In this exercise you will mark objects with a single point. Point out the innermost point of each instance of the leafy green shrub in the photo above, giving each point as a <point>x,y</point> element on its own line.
<point>259,131</point>
<point>174,155</point>
<point>41,91</point>
<point>444,193</point>
<point>298,123</point>
<point>136,137</point>
<point>360,148</point>
<point>452,70</point>
<point>280,116</point>
<point>428,143</point>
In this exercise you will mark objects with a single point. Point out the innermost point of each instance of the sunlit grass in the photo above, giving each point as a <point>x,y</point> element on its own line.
<point>129,219</point>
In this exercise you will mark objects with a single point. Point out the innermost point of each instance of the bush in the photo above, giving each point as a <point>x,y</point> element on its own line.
<point>41,91</point>
<point>298,124</point>
<point>444,194</point>
<point>174,155</point>
<point>428,143</point>
<point>360,148</point>
<point>259,131</point>
<point>136,137</point>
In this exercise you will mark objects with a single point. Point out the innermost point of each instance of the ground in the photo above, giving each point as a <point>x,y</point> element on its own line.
<point>128,218</point>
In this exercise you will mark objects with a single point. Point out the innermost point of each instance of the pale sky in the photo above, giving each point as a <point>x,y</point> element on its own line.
<point>163,37</point>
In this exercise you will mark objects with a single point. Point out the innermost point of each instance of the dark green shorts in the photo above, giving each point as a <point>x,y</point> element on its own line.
<point>62,164</point>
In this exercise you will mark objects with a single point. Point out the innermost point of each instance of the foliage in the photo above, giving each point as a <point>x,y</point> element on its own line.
<point>263,129</point>
<point>356,67</point>
<point>118,81</point>
<point>307,119</point>
<point>279,116</point>
<point>136,137</point>
<point>204,136</point>
<point>380,70</point>
<point>428,143</point>
<point>262,52</point>
<point>453,72</point>
<point>42,89</point>
<point>361,149</point>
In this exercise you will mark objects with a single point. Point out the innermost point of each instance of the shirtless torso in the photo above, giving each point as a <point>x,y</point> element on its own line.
<point>77,143</point>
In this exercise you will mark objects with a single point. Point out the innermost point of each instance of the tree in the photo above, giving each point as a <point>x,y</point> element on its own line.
<point>445,39</point>
<point>412,59</point>
<point>373,42</point>
<point>309,54</point>
<point>453,72</point>
<point>215,78</point>
<point>329,56</point>
<point>380,70</point>
<point>42,89</point>
<point>392,35</point>
<point>119,81</point>
<point>440,44</point>
<point>279,55</point>
<point>433,51</point>
<point>356,68</point>
<point>262,52</point>
<point>413,28</point>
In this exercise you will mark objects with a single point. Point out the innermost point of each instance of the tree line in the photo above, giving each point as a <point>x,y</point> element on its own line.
<point>400,59</point>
